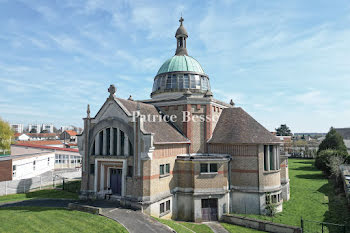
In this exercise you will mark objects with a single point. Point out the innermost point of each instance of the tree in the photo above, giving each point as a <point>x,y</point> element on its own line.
<point>32,131</point>
<point>333,141</point>
<point>283,130</point>
<point>325,162</point>
<point>6,134</point>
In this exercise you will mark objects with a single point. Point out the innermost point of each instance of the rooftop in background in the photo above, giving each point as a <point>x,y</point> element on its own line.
<point>71,132</point>
<point>344,132</point>
<point>46,142</point>
<point>46,147</point>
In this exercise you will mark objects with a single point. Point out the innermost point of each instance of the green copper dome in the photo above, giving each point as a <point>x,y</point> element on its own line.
<point>181,63</point>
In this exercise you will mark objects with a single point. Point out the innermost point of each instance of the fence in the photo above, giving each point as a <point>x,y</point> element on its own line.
<point>47,179</point>
<point>322,227</point>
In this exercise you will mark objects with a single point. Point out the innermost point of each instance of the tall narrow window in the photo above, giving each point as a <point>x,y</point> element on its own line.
<point>272,158</point>
<point>100,137</point>
<point>34,165</point>
<point>108,143</point>
<point>192,81</point>
<point>93,148</point>
<point>168,82</point>
<point>266,157</point>
<point>186,82</point>
<point>115,140</point>
<point>121,142</point>
<point>163,82</point>
<point>174,81</point>
<point>131,149</point>
<point>181,82</point>
<point>14,170</point>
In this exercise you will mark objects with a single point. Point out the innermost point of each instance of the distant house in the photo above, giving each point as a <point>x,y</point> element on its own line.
<point>21,137</point>
<point>69,136</point>
<point>23,164</point>
<point>64,157</point>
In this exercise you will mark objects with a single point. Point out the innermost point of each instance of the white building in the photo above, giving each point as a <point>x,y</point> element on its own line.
<point>37,127</point>
<point>48,128</point>
<point>18,128</point>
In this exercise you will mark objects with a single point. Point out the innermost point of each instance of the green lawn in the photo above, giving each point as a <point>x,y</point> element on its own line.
<point>45,219</point>
<point>237,229</point>
<point>183,227</point>
<point>46,193</point>
<point>313,197</point>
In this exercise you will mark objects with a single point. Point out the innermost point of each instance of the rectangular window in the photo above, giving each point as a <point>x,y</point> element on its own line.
<point>167,168</point>
<point>272,159</point>
<point>161,169</point>
<point>192,81</point>
<point>267,198</point>
<point>92,169</point>
<point>168,82</point>
<point>163,82</point>
<point>181,82</point>
<point>14,170</point>
<point>108,141</point>
<point>131,149</point>
<point>186,82</point>
<point>204,167</point>
<point>34,165</point>
<point>174,81</point>
<point>162,209</point>
<point>115,140</point>
<point>266,157</point>
<point>121,142</point>
<point>197,81</point>
<point>130,170</point>
<point>56,159</point>
<point>167,205</point>
<point>274,198</point>
<point>48,161</point>
<point>101,142</point>
<point>204,83</point>
<point>213,167</point>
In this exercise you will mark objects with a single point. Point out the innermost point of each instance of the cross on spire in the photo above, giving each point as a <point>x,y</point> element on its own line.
<point>181,19</point>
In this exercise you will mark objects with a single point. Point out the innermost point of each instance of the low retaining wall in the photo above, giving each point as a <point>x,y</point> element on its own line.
<point>84,208</point>
<point>259,224</point>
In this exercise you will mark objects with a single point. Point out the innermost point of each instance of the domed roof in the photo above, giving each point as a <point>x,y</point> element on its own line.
<point>181,31</point>
<point>181,63</point>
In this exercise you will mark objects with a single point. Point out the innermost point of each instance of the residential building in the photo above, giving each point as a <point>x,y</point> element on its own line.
<point>63,157</point>
<point>35,136</point>
<point>18,128</point>
<point>47,127</point>
<point>181,154</point>
<point>36,127</point>
<point>69,136</point>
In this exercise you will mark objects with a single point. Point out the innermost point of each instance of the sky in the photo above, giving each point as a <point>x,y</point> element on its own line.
<point>284,62</point>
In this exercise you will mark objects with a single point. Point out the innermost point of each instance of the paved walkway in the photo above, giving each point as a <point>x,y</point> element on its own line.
<point>132,220</point>
<point>216,227</point>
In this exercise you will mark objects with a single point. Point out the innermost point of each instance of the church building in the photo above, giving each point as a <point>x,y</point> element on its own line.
<point>181,154</point>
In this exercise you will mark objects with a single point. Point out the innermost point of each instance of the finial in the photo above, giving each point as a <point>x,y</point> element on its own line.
<point>181,20</point>
<point>111,90</point>
<point>232,103</point>
<point>88,111</point>
<point>130,98</point>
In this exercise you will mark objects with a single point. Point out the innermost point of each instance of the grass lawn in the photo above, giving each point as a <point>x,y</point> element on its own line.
<point>46,219</point>
<point>183,227</point>
<point>46,193</point>
<point>237,229</point>
<point>313,197</point>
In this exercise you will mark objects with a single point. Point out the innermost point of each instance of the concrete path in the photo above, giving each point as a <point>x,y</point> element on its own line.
<point>133,220</point>
<point>216,227</point>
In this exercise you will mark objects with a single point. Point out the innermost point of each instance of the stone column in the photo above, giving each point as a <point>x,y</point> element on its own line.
<point>126,145</point>
<point>104,142</point>
<point>97,144</point>
<point>111,137</point>
<point>118,143</point>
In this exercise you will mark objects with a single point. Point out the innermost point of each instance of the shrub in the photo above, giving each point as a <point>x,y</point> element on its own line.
<point>324,160</point>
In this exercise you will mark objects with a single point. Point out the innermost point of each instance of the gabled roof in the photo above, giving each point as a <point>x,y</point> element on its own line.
<point>235,126</point>
<point>40,142</point>
<point>71,132</point>
<point>163,131</point>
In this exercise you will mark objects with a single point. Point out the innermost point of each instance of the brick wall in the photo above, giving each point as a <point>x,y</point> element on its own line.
<point>6,170</point>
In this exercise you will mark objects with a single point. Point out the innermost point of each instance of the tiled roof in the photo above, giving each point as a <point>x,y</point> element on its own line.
<point>163,132</point>
<point>71,132</point>
<point>235,126</point>
<point>46,147</point>
<point>39,142</point>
